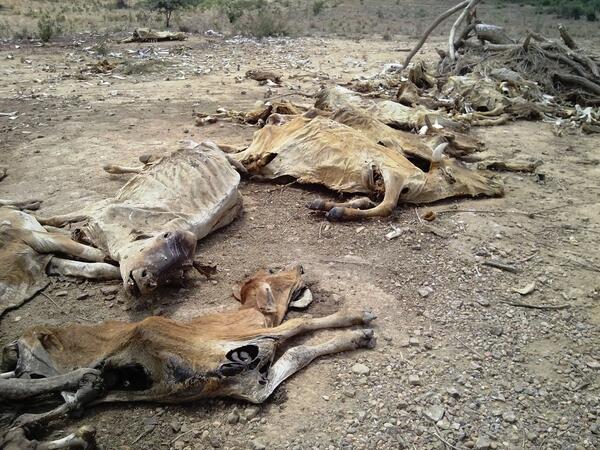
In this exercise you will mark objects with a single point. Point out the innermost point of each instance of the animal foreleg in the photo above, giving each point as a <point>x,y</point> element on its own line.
<point>58,243</point>
<point>92,271</point>
<point>340,319</point>
<point>392,185</point>
<point>27,204</point>
<point>299,357</point>
<point>19,389</point>
<point>116,170</point>
<point>62,220</point>
<point>356,203</point>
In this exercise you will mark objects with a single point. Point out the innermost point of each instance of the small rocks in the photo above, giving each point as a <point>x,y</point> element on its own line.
<point>414,380</point>
<point>482,443</point>
<point>425,291</point>
<point>175,426</point>
<point>509,417</point>
<point>360,369</point>
<point>435,413</point>
<point>257,445</point>
<point>82,296</point>
<point>61,293</point>
<point>414,342</point>
<point>109,290</point>
<point>593,364</point>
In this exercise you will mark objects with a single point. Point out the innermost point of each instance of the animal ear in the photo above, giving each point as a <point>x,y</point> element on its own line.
<point>236,290</point>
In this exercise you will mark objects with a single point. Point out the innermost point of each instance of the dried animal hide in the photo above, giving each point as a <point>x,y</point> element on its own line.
<point>225,354</point>
<point>148,35</point>
<point>365,156</point>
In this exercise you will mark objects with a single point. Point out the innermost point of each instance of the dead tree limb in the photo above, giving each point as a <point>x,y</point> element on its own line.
<point>443,16</point>
<point>580,81</point>
<point>566,37</point>
<point>492,34</point>
<point>459,20</point>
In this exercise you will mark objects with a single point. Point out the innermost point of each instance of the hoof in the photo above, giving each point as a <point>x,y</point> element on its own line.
<point>367,339</point>
<point>368,317</point>
<point>317,204</point>
<point>335,214</point>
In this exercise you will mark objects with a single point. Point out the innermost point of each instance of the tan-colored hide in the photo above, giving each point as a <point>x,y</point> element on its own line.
<point>390,113</point>
<point>148,35</point>
<point>158,359</point>
<point>152,224</point>
<point>367,157</point>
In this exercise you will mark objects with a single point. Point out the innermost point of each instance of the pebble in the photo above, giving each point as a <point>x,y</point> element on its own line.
<point>425,291</point>
<point>83,296</point>
<point>257,445</point>
<point>482,443</point>
<point>509,417</point>
<point>251,412</point>
<point>61,293</point>
<point>414,380</point>
<point>435,413</point>
<point>233,418</point>
<point>360,369</point>
<point>109,290</point>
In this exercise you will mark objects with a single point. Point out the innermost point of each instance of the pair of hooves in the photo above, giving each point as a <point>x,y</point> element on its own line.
<point>335,214</point>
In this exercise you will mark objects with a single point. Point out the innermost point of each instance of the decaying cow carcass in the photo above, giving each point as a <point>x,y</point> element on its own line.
<point>150,228</point>
<point>349,145</point>
<point>148,35</point>
<point>225,354</point>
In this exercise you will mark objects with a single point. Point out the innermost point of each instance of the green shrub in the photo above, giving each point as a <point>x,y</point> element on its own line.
<point>46,28</point>
<point>318,6</point>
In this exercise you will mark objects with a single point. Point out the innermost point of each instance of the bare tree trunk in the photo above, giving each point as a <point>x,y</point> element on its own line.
<point>461,18</point>
<point>443,16</point>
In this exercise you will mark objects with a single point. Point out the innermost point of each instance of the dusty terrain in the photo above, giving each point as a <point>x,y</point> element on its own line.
<point>456,365</point>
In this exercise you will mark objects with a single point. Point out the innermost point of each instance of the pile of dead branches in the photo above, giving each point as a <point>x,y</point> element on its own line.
<point>562,70</point>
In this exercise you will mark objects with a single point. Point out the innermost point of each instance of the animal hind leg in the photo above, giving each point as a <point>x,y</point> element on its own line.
<point>90,270</point>
<point>294,327</point>
<point>393,187</point>
<point>17,439</point>
<point>299,357</point>
<point>356,203</point>
<point>61,220</point>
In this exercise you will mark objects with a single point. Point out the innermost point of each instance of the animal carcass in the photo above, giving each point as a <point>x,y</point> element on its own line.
<point>351,150</point>
<point>151,226</point>
<point>225,354</point>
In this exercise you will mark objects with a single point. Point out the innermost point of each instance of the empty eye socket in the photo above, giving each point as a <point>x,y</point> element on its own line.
<point>405,190</point>
<point>144,274</point>
<point>167,235</point>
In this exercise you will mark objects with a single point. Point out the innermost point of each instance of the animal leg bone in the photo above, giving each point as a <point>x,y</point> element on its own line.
<point>356,203</point>
<point>299,357</point>
<point>19,389</point>
<point>90,270</point>
<point>27,204</point>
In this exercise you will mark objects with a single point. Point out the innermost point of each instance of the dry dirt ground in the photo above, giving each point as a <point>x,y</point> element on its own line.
<point>457,368</point>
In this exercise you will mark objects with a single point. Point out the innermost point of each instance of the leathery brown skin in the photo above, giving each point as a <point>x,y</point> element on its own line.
<point>239,353</point>
<point>148,263</point>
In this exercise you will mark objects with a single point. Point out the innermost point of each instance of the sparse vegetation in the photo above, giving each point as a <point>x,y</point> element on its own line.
<point>167,7</point>
<point>566,9</point>
<point>318,6</point>
<point>46,28</point>
<point>142,67</point>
